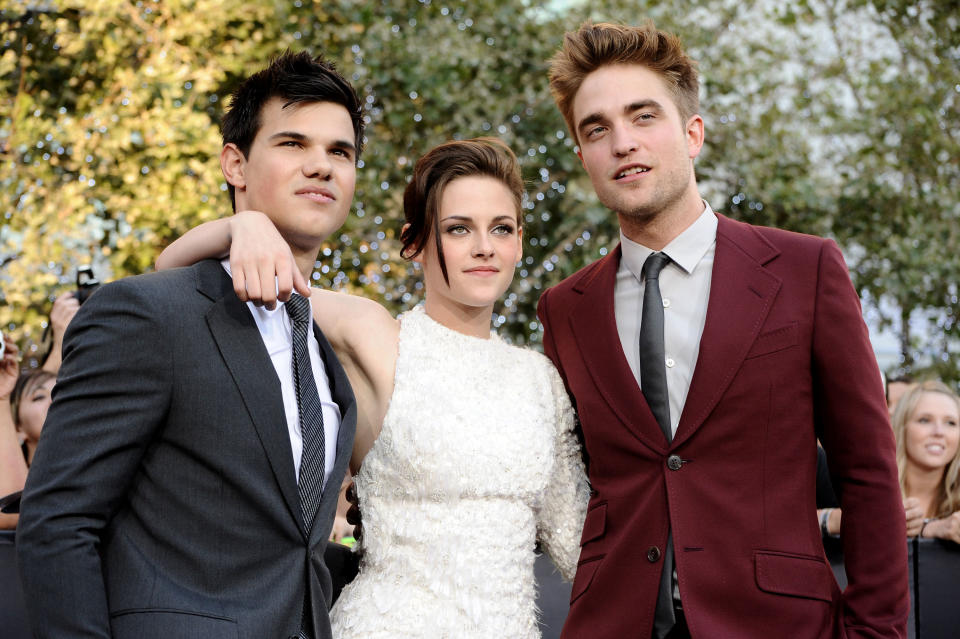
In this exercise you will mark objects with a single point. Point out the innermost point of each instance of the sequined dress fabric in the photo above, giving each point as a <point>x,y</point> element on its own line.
<point>476,462</point>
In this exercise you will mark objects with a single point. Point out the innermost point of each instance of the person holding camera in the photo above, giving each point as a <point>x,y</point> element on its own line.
<point>13,465</point>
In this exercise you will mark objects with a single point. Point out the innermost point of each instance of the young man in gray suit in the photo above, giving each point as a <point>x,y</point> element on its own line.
<point>188,475</point>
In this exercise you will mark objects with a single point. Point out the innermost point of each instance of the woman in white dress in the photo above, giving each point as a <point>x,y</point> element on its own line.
<point>465,455</point>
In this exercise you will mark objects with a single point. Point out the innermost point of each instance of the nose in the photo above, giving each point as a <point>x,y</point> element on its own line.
<point>482,246</point>
<point>624,141</point>
<point>317,165</point>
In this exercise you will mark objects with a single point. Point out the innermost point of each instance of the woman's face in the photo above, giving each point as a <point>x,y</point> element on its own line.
<point>33,409</point>
<point>933,432</point>
<point>481,243</point>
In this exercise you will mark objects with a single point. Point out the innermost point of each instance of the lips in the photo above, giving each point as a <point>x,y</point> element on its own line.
<point>630,170</point>
<point>317,194</point>
<point>482,270</point>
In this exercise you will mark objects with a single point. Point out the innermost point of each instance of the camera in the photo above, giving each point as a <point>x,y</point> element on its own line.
<point>87,283</point>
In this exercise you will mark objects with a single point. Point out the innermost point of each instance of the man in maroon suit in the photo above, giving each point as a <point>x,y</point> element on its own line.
<point>705,357</point>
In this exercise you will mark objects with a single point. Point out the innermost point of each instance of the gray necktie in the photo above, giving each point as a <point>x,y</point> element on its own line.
<point>653,382</point>
<point>653,372</point>
<point>310,413</point>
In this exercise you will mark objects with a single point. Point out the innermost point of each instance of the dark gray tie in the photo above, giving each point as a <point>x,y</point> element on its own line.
<point>653,372</point>
<point>310,413</point>
<point>653,382</point>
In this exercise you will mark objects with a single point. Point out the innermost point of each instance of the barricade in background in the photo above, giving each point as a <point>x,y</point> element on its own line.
<point>13,616</point>
<point>934,576</point>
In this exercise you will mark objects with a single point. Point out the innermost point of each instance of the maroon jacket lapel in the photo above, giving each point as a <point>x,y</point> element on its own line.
<point>594,327</point>
<point>741,293</point>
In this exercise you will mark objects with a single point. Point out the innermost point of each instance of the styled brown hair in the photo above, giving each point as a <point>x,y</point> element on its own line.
<point>596,45</point>
<point>948,500</point>
<point>435,170</point>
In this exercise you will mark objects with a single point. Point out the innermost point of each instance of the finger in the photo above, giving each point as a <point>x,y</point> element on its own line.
<point>267,272</point>
<point>300,283</point>
<point>253,286</point>
<point>284,280</point>
<point>240,284</point>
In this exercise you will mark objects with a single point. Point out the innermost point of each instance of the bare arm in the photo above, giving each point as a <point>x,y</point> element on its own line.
<point>13,468</point>
<point>261,263</point>
<point>64,308</point>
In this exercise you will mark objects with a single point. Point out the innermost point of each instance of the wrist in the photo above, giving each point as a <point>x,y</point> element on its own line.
<point>824,521</point>
<point>926,521</point>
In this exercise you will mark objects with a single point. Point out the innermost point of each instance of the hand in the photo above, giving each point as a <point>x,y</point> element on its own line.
<point>261,262</point>
<point>64,308</point>
<point>914,515</point>
<point>353,513</point>
<point>9,367</point>
<point>944,528</point>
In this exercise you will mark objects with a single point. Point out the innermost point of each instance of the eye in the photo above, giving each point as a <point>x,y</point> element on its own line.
<point>503,229</point>
<point>646,115</point>
<point>457,229</point>
<point>344,153</point>
<point>595,132</point>
<point>293,144</point>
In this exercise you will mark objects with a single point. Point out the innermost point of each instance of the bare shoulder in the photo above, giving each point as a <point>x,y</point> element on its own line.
<point>351,320</point>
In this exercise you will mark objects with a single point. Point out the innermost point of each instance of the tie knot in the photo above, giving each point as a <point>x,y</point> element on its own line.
<point>298,308</point>
<point>654,264</point>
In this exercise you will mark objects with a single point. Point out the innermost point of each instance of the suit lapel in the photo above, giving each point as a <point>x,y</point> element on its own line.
<point>594,326</point>
<point>238,338</point>
<point>741,293</point>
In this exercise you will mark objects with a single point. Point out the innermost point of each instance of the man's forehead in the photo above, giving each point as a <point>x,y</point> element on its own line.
<point>615,86</point>
<point>278,113</point>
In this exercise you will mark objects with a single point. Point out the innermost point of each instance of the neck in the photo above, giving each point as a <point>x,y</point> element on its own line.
<point>924,485</point>
<point>469,320</point>
<point>658,229</point>
<point>31,449</point>
<point>305,261</point>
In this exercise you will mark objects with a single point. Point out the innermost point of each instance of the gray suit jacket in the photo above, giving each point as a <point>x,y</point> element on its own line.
<point>162,501</point>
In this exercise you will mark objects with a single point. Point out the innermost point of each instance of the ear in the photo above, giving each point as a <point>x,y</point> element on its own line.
<point>418,258</point>
<point>694,131</point>
<point>233,164</point>
<point>519,244</point>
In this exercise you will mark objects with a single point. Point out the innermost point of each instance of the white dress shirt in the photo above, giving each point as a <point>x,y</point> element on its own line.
<point>276,329</point>
<point>685,289</point>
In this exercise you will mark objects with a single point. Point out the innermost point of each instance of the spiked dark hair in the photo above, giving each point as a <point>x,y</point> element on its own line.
<point>293,77</point>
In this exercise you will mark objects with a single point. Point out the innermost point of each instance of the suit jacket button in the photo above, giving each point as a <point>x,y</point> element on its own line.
<point>674,462</point>
<point>653,554</point>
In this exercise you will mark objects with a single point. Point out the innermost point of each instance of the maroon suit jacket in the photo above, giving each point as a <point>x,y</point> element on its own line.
<point>784,358</point>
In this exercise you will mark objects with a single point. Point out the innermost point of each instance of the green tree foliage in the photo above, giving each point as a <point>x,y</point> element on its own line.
<point>823,116</point>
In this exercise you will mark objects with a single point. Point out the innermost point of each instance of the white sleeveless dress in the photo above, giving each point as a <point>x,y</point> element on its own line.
<point>476,462</point>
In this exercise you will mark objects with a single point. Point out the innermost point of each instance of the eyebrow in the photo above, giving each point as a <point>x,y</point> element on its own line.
<point>467,218</point>
<point>598,116</point>
<point>300,137</point>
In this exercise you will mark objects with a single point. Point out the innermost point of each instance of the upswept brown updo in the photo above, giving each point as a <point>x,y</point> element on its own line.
<point>435,170</point>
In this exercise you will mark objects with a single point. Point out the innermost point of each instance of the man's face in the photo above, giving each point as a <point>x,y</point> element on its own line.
<point>634,145</point>
<point>300,170</point>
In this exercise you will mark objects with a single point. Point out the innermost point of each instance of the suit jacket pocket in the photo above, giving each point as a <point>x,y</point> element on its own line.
<point>595,523</point>
<point>162,623</point>
<point>795,575</point>
<point>586,570</point>
<point>776,340</point>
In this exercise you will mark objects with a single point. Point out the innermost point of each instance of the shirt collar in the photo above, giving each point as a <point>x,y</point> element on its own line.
<point>686,250</point>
